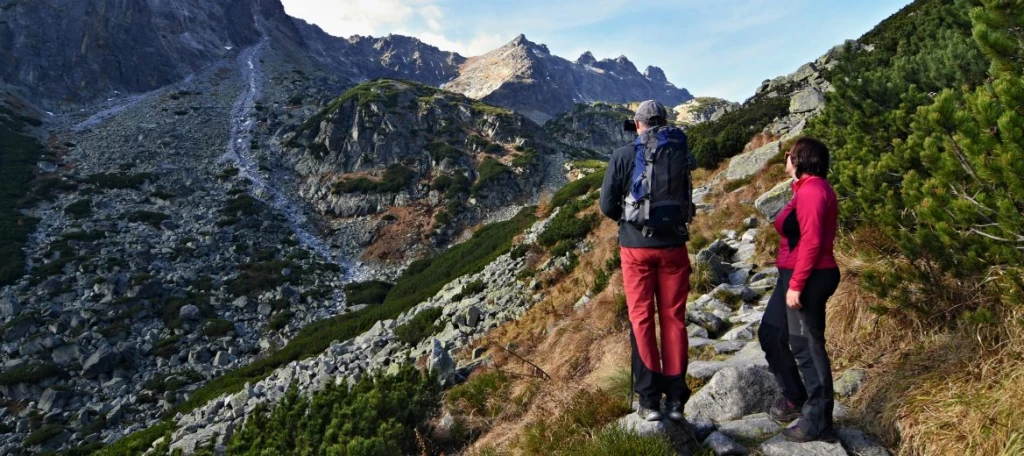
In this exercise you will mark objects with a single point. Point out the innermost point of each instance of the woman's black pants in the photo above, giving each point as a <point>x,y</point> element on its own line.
<point>794,343</point>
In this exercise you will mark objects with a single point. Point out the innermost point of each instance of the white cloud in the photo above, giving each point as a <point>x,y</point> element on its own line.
<point>352,17</point>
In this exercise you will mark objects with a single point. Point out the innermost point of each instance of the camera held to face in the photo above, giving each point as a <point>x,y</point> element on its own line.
<point>629,125</point>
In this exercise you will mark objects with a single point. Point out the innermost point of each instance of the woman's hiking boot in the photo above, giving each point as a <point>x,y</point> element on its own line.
<point>784,410</point>
<point>797,434</point>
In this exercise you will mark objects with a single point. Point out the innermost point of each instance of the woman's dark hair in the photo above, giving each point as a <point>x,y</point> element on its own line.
<point>809,156</point>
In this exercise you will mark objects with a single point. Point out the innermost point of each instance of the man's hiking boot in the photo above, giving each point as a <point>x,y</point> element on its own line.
<point>797,434</point>
<point>649,414</point>
<point>674,410</point>
<point>784,410</point>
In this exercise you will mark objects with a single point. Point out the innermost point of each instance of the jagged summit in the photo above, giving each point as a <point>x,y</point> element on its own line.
<point>655,74</point>
<point>587,58</point>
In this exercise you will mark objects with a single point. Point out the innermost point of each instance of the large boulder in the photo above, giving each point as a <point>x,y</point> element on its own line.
<point>750,163</point>
<point>102,361</point>
<point>53,400</point>
<point>9,305</point>
<point>733,393</point>
<point>807,100</point>
<point>772,201</point>
<point>66,355</point>
<point>441,362</point>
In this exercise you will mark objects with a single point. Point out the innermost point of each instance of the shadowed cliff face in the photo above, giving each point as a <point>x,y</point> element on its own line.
<point>525,76</point>
<point>68,52</point>
<point>394,56</point>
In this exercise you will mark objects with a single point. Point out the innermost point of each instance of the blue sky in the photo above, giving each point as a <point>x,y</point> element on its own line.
<point>723,48</point>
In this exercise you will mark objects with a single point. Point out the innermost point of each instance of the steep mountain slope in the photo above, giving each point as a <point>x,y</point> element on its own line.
<point>121,46</point>
<point>525,76</point>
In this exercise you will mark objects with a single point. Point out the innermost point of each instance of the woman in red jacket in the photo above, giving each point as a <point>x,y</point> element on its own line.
<point>792,332</point>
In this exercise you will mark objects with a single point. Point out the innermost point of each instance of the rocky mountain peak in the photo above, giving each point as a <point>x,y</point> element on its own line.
<point>522,42</point>
<point>587,58</point>
<point>655,74</point>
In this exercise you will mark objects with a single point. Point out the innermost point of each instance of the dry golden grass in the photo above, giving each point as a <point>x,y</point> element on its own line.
<point>401,238</point>
<point>928,391</point>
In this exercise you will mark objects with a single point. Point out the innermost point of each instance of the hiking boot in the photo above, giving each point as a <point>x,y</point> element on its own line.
<point>797,434</point>
<point>675,410</point>
<point>649,414</point>
<point>784,410</point>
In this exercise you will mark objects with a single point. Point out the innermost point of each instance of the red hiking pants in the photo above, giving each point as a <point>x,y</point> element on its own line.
<point>657,280</point>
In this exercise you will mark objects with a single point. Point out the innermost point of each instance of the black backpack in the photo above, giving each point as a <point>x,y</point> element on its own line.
<point>660,195</point>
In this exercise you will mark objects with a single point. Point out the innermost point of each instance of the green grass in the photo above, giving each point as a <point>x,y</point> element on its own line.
<point>262,276</point>
<point>378,416</point>
<point>568,433</point>
<point>43,434</point>
<point>615,440</point>
<point>441,151</point>
<point>368,292</point>
<point>138,442</point>
<point>567,228</point>
<point>470,289</point>
<point>484,394</point>
<point>217,327</point>
<point>119,180</point>
<point>79,209</point>
<point>33,373</point>
<point>150,218</point>
<point>280,320</point>
<point>421,326</point>
<point>489,170</point>
<point>396,178</point>
<point>241,205</point>
<point>578,187</point>
<point>167,347</point>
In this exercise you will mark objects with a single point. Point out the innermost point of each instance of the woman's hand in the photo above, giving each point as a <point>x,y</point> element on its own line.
<point>793,299</point>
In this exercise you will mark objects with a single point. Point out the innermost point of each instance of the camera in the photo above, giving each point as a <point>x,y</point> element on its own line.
<point>629,125</point>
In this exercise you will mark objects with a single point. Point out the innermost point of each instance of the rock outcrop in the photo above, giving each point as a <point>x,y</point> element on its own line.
<point>593,129</point>
<point>703,109</point>
<point>389,144</point>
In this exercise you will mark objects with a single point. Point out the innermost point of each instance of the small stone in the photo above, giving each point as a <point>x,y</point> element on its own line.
<point>189,312</point>
<point>265,309</point>
<point>856,442</point>
<point>850,382</point>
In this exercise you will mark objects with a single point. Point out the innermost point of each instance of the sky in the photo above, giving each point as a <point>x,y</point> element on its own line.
<point>720,48</point>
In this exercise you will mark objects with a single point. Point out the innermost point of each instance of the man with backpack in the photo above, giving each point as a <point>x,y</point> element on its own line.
<point>647,189</point>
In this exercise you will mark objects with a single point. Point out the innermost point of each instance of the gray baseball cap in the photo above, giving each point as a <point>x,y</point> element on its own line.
<point>650,109</point>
